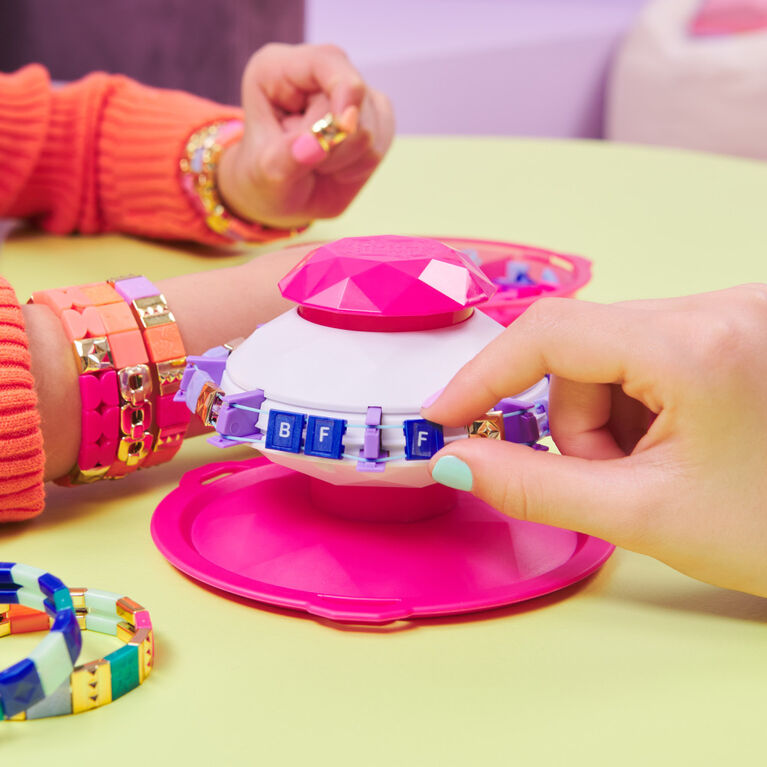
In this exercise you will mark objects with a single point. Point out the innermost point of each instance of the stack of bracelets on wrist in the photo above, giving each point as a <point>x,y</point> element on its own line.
<point>48,683</point>
<point>130,358</point>
<point>198,170</point>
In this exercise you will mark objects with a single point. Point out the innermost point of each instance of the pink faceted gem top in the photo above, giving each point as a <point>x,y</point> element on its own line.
<point>386,283</point>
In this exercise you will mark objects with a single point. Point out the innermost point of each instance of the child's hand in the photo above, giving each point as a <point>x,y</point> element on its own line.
<point>661,408</point>
<point>285,90</point>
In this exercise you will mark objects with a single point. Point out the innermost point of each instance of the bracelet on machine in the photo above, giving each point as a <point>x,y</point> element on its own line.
<point>164,347</point>
<point>235,419</point>
<point>33,679</point>
<point>99,682</point>
<point>198,168</point>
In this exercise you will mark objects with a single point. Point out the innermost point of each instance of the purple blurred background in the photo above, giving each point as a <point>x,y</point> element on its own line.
<point>519,67</point>
<point>522,67</point>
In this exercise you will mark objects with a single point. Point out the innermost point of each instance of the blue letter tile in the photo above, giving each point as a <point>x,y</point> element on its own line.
<point>422,439</point>
<point>324,437</point>
<point>284,431</point>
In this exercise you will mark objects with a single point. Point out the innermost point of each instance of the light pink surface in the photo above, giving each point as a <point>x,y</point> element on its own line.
<point>722,17</point>
<point>250,528</point>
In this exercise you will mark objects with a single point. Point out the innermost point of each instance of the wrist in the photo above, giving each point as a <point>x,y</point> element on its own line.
<point>58,395</point>
<point>236,188</point>
<point>234,218</point>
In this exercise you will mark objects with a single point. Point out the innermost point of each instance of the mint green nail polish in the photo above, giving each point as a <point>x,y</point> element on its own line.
<point>453,472</point>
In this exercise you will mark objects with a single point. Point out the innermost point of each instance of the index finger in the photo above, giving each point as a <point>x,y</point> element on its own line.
<point>288,74</point>
<point>576,340</point>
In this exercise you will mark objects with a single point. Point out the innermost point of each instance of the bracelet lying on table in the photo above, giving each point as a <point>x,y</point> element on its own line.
<point>33,679</point>
<point>99,682</point>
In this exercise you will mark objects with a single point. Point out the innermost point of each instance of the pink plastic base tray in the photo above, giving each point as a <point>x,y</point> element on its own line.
<point>252,528</point>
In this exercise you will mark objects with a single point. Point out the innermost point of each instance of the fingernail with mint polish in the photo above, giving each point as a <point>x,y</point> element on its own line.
<point>432,398</point>
<point>453,472</point>
<point>307,150</point>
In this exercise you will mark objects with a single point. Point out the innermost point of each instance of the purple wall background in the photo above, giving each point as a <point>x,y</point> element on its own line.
<point>197,45</point>
<point>522,67</point>
<point>519,67</point>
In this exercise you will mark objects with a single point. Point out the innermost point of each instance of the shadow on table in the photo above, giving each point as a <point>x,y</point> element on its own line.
<point>700,598</point>
<point>16,231</point>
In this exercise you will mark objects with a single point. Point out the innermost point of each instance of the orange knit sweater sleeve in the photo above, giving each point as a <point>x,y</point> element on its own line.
<point>98,155</point>
<point>21,443</point>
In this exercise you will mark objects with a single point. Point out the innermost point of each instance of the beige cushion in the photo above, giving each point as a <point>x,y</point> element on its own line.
<point>669,88</point>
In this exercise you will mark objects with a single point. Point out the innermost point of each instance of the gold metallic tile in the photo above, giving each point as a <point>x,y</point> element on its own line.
<point>20,717</point>
<point>144,639</point>
<point>91,685</point>
<point>169,436</point>
<point>490,426</point>
<point>126,608</point>
<point>135,383</point>
<point>78,597</point>
<point>125,631</point>
<point>206,408</point>
<point>132,451</point>
<point>135,420</point>
<point>87,476</point>
<point>152,310</point>
<point>169,375</point>
<point>93,354</point>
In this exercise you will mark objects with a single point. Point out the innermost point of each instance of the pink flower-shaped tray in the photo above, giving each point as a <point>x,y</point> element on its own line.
<point>251,528</point>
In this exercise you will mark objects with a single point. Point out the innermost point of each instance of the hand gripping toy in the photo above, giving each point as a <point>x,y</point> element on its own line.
<point>340,516</point>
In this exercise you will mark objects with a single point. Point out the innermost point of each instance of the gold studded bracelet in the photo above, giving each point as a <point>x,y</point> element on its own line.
<point>198,168</point>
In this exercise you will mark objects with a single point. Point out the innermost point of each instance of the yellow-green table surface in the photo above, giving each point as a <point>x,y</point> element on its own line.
<point>639,665</point>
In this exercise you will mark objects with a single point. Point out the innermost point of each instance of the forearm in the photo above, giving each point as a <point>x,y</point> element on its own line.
<point>210,308</point>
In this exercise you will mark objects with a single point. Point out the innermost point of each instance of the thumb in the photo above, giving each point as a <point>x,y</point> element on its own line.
<point>602,498</point>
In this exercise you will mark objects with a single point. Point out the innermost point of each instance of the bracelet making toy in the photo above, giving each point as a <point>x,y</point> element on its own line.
<point>35,678</point>
<point>96,683</point>
<point>129,356</point>
<point>340,516</point>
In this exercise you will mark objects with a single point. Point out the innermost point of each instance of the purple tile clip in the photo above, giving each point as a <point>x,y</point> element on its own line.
<point>371,451</point>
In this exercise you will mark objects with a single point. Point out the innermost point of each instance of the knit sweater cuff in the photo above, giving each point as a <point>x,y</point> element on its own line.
<point>143,135</point>
<point>24,112</point>
<point>22,458</point>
